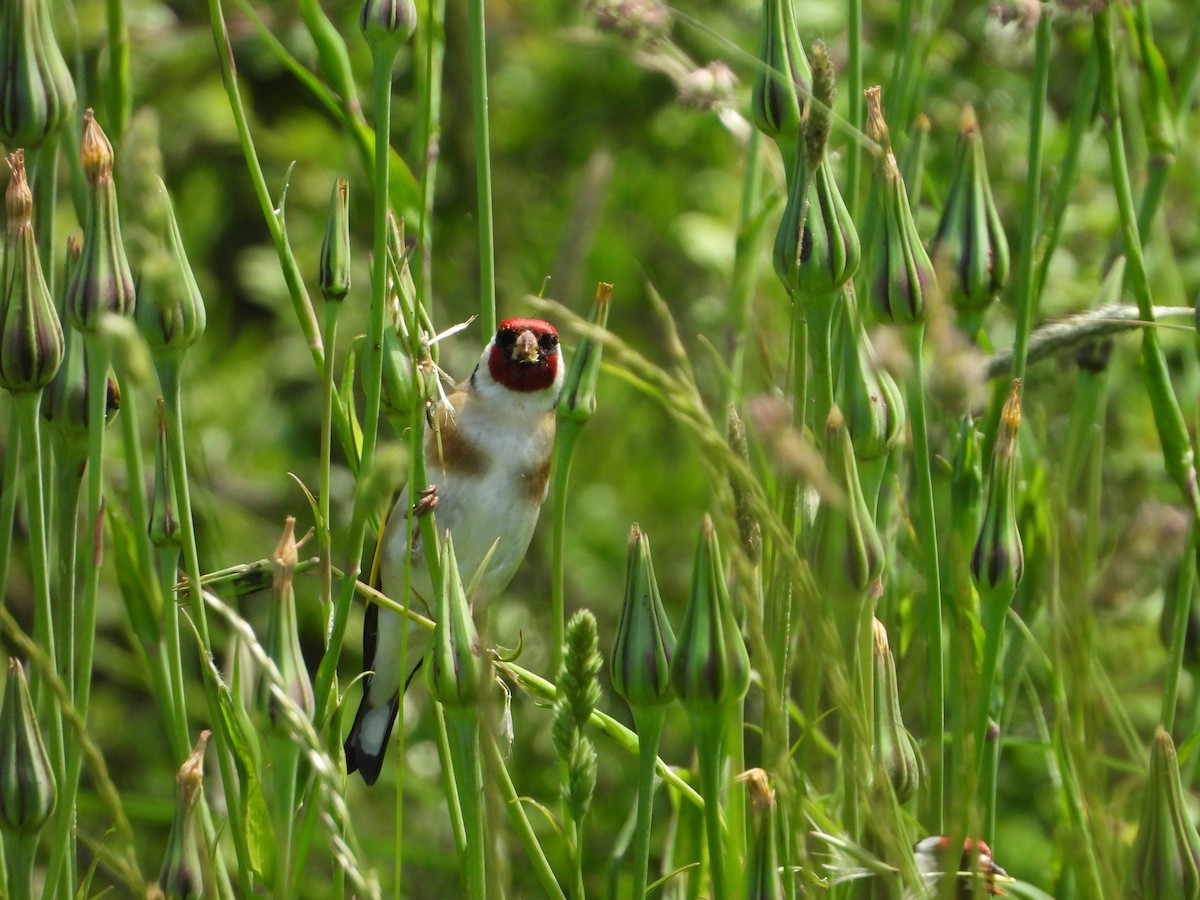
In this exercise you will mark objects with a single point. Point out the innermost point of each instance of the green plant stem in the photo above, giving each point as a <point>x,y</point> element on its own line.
<point>287,767</point>
<point>854,100</point>
<point>120,97</point>
<point>820,342</point>
<point>1182,608</point>
<point>325,526</point>
<point>42,164</point>
<point>520,822</point>
<point>431,95</point>
<point>564,452</point>
<point>1168,418</point>
<point>383,58</point>
<point>927,529</point>
<point>462,725</point>
<point>8,493</point>
<point>746,260</point>
<point>708,735</point>
<point>301,304</point>
<point>19,852</point>
<point>648,723</point>
<point>483,166</point>
<point>172,652</point>
<point>172,401</point>
<point>1027,293</point>
<point>68,476</point>
<point>989,776</point>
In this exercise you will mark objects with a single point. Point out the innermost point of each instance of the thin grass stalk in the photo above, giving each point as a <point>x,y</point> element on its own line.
<point>27,405</point>
<point>62,860</point>
<point>172,401</point>
<point>564,451</point>
<point>1185,589</point>
<point>855,110</point>
<point>746,261</point>
<point>383,56</point>
<point>708,734</point>
<point>1168,418</point>
<point>431,99</point>
<point>301,304</point>
<point>68,483</point>
<point>520,822</point>
<point>9,491</point>
<point>1027,285</point>
<point>117,80</point>
<point>927,531</point>
<point>648,722</point>
<point>325,529</point>
<point>483,166</point>
<point>42,165</point>
<point>1068,165</point>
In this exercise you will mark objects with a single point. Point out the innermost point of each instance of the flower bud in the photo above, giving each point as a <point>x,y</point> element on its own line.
<point>283,634</point>
<point>641,656</point>
<point>453,671</point>
<point>904,279</point>
<point>998,560</point>
<point>871,399</point>
<point>762,862</point>
<point>577,402</point>
<point>782,67</point>
<point>36,91</point>
<point>64,403</point>
<point>102,282</point>
<point>27,789</point>
<point>708,88</point>
<point>402,389</point>
<point>847,552</point>
<point>710,669</point>
<point>170,314</point>
<point>1166,852</point>
<point>816,248</point>
<point>31,337</point>
<point>182,877</point>
<point>385,22</point>
<point>335,248</point>
<point>970,242</point>
<point>894,749</point>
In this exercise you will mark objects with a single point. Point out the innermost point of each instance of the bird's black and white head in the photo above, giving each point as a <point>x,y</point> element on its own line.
<point>522,363</point>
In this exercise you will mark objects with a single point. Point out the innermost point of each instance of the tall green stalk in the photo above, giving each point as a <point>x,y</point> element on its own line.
<point>483,166</point>
<point>932,606</point>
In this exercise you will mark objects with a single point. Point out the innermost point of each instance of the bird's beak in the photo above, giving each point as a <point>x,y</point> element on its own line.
<point>526,350</point>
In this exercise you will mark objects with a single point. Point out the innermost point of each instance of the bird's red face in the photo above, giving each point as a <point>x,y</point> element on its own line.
<point>524,355</point>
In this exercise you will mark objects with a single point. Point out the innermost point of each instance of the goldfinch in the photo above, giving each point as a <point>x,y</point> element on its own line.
<point>487,451</point>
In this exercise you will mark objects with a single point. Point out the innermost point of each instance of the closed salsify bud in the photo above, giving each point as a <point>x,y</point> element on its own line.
<point>170,313</point>
<point>182,874</point>
<point>904,279</point>
<point>1166,852</point>
<point>31,337</point>
<point>102,282</point>
<point>641,655</point>
<point>27,789</point>
<point>334,272</point>
<point>782,68</point>
<point>453,670</point>
<point>999,561</point>
<point>36,91</point>
<point>895,750</point>
<point>577,402</point>
<point>871,399</point>
<point>970,243</point>
<point>387,21</point>
<point>710,669</point>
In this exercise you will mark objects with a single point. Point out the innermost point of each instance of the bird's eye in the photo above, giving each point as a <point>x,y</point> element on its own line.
<point>506,337</point>
<point>547,342</point>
